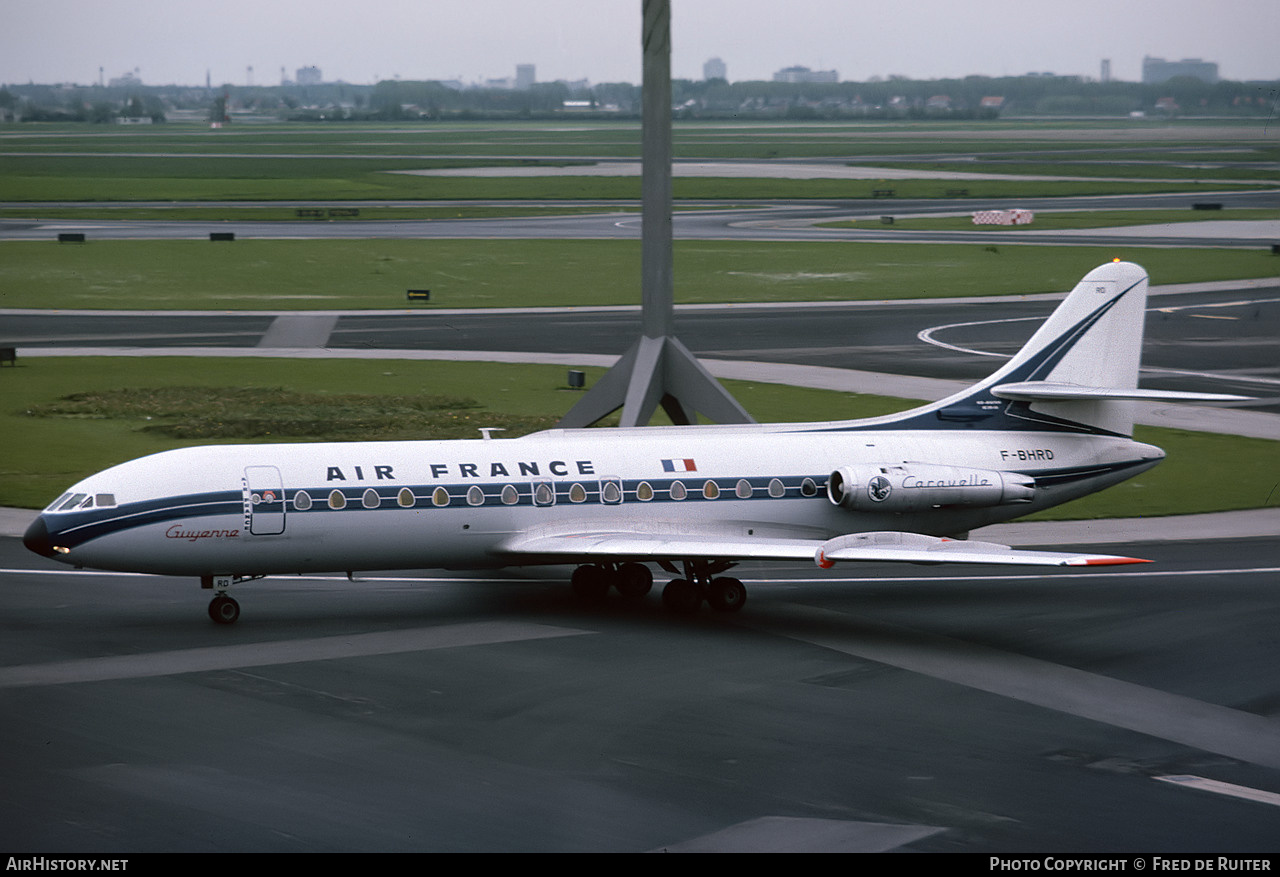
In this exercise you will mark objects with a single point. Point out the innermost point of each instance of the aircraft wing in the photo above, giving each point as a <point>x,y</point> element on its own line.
<point>622,543</point>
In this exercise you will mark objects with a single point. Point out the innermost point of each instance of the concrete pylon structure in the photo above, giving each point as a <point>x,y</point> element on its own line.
<point>658,369</point>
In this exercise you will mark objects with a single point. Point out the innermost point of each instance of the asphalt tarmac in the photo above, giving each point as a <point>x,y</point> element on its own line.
<point>874,709</point>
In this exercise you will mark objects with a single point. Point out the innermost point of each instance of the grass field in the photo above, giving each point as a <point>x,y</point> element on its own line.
<point>127,179</point>
<point>310,274</point>
<point>332,213</point>
<point>316,162</point>
<point>64,418</point>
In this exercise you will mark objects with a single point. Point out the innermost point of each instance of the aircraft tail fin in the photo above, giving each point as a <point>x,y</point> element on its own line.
<point>1093,340</point>
<point>1079,371</point>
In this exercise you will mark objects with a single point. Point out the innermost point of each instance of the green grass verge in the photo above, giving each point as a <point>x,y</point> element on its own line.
<point>336,213</point>
<point>282,275</point>
<point>53,440</point>
<point>360,183</point>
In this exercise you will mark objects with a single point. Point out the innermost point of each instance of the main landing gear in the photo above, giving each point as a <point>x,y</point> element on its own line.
<point>701,583</point>
<point>592,582</point>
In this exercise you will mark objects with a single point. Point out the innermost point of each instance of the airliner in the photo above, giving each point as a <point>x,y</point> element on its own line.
<point>1053,424</point>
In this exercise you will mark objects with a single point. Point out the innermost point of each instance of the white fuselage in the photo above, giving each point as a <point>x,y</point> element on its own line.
<point>286,508</point>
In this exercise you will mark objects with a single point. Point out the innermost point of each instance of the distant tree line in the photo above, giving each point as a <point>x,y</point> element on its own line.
<point>397,100</point>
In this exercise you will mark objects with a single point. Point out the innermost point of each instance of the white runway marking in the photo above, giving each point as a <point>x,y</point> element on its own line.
<point>1172,717</point>
<point>781,834</point>
<point>232,657</point>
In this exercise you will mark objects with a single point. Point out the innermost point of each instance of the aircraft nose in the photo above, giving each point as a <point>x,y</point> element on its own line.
<point>37,537</point>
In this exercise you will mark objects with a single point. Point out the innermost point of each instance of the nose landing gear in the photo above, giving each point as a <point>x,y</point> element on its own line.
<point>222,608</point>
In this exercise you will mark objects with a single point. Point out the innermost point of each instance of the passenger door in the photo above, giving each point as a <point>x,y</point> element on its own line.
<point>264,500</point>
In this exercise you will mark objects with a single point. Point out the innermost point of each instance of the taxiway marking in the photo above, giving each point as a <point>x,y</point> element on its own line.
<point>1166,716</point>
<point>1220,788</point>
<point>261,654</point>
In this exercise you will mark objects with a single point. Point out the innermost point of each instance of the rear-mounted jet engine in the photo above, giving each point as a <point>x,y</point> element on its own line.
<point>910,487</point>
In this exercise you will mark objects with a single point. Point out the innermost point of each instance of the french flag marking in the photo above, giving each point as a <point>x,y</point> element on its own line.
<point>679,466</point>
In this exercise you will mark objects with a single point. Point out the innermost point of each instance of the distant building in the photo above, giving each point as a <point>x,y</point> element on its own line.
<point>715,69</point>
<point>804,74</point>
<point>309,76</point>
<point>1157,70</point>
<point>1106,69</point>
<point>526,76</point>
<point>128,80</point>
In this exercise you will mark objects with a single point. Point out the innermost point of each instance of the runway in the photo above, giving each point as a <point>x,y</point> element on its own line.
<point>761,220</point>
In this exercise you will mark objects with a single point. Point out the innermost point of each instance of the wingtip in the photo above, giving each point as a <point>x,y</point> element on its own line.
<point>1107,561</point>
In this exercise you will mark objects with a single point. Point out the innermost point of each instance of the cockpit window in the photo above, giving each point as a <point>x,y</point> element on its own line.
<point>71,502</point>
<point>74,501</point>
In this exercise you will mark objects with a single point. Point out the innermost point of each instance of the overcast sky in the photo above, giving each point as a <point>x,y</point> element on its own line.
<point>176,41</point>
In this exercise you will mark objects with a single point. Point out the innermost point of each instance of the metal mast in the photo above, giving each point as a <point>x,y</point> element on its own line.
<point>658,369</point>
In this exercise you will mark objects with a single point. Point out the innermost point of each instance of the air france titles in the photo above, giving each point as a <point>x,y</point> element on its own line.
<point>468,470</point>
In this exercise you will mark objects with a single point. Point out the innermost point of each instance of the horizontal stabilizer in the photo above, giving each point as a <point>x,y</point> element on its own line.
<point>1045,391</point>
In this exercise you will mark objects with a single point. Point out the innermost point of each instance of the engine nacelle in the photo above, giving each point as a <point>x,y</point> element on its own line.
<point>909,487</point>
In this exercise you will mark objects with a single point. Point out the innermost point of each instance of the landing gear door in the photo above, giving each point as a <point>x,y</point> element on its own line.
<point>264,500</point>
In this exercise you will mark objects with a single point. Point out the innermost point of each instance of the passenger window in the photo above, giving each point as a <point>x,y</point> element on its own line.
<point>475,496</point>
<point>644,492</point>
<point>371,500</point>
<point>337,500</point>
<point>302,500</point>
<point>544,494</point>
<point>776,488</point>
<point>405,498</point>
<point>710,490</point>
<point>440,497</point>
<point>577,493</point>
<point>808,487</point>
<point>610,492</point>
<point>678,491</point>
<point>743,489</point>
<point>510,496</point>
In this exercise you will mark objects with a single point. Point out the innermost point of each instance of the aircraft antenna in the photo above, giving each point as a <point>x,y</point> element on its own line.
<point>658,369</point>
